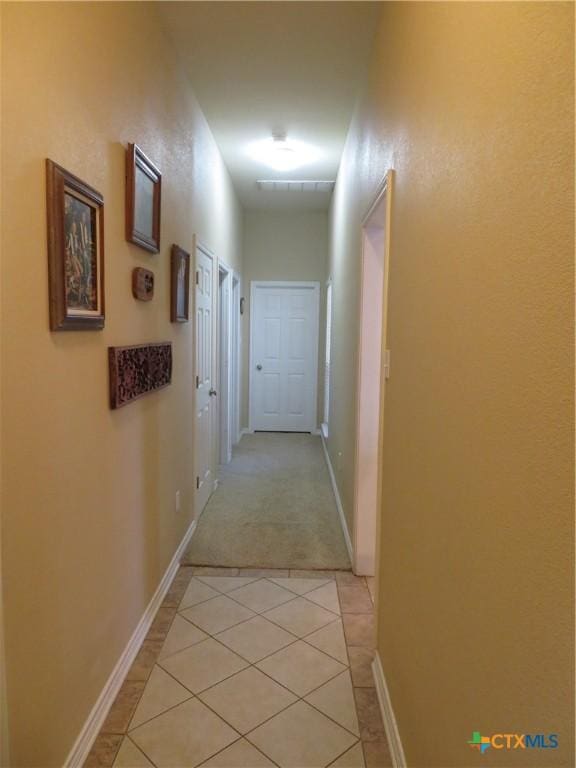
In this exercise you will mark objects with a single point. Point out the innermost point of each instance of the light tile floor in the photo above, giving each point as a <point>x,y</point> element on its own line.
<point>243,669</point>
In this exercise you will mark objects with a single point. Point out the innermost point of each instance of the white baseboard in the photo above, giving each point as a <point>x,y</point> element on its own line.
<point>343,522</point>
<point>93,724</point>
<point>390,725</point>
<point>246,431</point>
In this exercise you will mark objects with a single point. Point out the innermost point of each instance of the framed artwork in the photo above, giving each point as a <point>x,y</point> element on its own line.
<point>75,251</point>
<point>143,188</point>
<point>180,272</point>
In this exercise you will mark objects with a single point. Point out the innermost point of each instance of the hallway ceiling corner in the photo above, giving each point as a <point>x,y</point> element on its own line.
<point>261,67</point>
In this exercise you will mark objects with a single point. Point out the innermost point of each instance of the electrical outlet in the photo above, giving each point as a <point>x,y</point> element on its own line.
<point>177,504</point>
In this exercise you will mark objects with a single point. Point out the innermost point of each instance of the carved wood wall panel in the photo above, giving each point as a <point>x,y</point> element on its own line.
<point>138,370</point>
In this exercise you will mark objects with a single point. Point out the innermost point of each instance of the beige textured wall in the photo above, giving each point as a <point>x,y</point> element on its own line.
<point>472,105</point>
<point>3,703</point>
<point>284,245</point>
<point>89,524</point>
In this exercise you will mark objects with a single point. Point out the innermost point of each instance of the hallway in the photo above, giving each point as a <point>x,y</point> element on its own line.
<point>274,508</point>
<point>350,225</point>
<point>243,669</point>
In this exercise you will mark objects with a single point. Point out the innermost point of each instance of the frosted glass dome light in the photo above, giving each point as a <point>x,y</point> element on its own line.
<point>282,154</point>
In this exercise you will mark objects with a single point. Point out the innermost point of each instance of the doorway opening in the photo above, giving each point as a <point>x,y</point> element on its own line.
<point>373,371</point>
<point>327,361</point>
<point>236,358</point>
<point>228,362</point>
<point>275,506</point>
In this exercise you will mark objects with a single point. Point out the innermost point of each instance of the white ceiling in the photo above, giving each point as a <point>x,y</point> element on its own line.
<point>262,66</point>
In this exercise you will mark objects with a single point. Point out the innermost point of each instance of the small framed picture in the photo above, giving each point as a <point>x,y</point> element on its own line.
<point>143,190</point>
<point>75,251</point>
<point>180,271</point>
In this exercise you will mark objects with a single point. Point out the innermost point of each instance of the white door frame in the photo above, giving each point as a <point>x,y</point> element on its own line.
<point>373,370</point>
<point>236,361</point>
<point>229,389</point>
<point>199,246</point>
<point>315,286</point>
<point>224,341</point>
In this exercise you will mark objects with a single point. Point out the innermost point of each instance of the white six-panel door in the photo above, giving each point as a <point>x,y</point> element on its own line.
<point>284,356</point>
<point>205,309</point>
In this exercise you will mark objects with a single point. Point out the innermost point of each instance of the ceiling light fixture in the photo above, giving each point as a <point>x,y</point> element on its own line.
<point>295,185</point>
<point>282,154</point>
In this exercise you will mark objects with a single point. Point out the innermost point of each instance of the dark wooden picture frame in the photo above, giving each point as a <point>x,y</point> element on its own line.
<point>180,285</point>
<point>75,213</point>
<point>143,200</point>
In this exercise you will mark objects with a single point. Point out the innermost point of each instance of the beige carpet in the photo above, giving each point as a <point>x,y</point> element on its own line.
<point>274,508</point>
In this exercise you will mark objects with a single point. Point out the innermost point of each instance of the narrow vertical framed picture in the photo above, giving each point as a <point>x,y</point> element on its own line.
<point>143,200</point>
<point>75,213</point>
<point>180,285</point>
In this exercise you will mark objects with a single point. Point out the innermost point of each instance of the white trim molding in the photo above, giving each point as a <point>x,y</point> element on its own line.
<point>93,724</point>
<point>339,506</point>
<point>390,725</point>
<point>371,379</point>
<point>4,735</point>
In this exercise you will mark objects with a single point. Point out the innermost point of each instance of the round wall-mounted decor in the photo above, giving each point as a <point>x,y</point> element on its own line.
<point>142,284</point>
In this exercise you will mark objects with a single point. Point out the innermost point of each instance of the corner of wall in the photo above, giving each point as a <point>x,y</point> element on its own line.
<point>4,744</point>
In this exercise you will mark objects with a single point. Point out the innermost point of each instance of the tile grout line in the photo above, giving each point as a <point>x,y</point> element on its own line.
<point>190,698</point>
<point>164,711</point>
<point>363,742</point>
<point>299,698</point>
<point>312,707</point>
<point>230,594</point>
<point>345,751</point>
<point>296,638</point>
<point>259,661</point>
<point>259,613</point>
<point>127,737</point>
<point>197,696</point>
<point>242,738</point>
<point>265,617</point>
<point>254,665</point>
<point>155,663</point>
<point>139,699</point>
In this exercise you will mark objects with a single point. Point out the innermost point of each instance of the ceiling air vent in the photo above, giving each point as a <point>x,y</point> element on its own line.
<point>272,185</point>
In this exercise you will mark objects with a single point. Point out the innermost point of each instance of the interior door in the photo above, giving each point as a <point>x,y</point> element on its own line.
<point>284,356</point>
<point>205,393</point>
